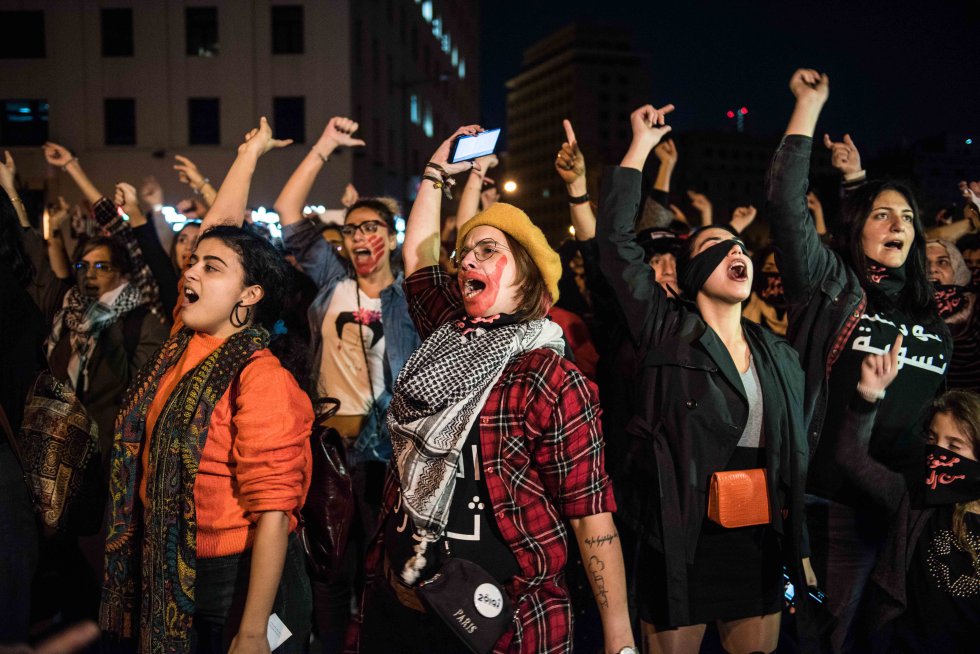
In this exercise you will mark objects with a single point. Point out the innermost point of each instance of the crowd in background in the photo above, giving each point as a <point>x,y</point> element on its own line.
<point>563,417</point>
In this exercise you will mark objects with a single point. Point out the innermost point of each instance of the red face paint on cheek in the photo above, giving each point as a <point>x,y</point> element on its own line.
<point>480,305</point>
<point>367,265</point>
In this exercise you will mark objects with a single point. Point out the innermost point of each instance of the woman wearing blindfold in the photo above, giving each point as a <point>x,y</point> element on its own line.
<point>720,403</point>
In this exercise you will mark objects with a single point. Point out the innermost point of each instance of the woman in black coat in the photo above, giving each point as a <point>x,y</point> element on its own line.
<point>718,394</point>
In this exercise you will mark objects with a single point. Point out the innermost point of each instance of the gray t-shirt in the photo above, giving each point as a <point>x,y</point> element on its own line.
<point>752,434</point>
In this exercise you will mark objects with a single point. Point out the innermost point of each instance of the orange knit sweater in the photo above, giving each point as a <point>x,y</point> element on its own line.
<point>257,457</point>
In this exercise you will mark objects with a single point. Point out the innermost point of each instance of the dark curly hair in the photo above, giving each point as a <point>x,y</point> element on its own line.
<point>264,266</point>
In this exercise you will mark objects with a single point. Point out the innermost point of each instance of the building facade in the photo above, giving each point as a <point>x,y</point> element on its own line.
<point>126,85</point>
<point>590,75</point>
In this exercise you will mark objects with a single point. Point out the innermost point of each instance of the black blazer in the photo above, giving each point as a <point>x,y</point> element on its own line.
<point>692,406</point>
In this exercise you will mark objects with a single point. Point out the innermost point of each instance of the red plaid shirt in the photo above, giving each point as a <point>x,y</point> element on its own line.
<point>542,450</point>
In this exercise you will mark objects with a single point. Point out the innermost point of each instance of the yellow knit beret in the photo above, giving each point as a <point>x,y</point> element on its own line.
<point>515,223</point>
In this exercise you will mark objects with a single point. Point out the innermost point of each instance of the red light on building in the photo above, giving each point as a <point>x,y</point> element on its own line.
<point>730,114</point>
<point>743,111</point>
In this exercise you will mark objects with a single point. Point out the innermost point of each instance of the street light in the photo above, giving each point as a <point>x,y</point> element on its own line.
<point>510,186</point>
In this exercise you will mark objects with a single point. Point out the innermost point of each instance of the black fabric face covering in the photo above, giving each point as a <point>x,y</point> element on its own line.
<point>950,478</point>
<point>696,271</point>
<point>771,289</point>
<point>889,280</point>
<point>949,299</point>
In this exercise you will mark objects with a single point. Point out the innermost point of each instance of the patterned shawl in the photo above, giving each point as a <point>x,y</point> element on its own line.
<point>151,553</point>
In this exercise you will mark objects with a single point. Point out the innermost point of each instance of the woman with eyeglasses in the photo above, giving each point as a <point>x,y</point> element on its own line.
<point>497,450</point>
<point>361,337</point>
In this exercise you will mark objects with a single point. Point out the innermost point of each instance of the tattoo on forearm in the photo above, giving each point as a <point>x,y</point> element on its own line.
<point>596,566</point>
<point>599,541</point>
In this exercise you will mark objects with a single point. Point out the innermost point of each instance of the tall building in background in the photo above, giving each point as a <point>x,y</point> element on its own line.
<point>590,75</point>
<point>129,85</point>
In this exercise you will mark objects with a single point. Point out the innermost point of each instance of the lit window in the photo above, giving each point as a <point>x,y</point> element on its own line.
<point>427,122</point>
<point>437,27</point>
<point>447,44</point>
<point>413,110</point>
<point>454,57</point>
<point>427,10</point>
<point>23,122</point>
<point>462,69</point>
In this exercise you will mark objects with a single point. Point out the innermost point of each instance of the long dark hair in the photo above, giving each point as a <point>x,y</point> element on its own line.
<point>263,265</point>
<point>12,254</point>
<point>916,298</point>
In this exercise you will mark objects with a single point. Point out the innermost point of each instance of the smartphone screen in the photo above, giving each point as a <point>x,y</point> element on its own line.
<point>470,147</point>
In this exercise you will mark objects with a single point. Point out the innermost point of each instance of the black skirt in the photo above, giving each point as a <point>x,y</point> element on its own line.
<point>737,573</point>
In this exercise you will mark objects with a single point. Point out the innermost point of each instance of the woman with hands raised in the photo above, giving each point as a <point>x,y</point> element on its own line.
<point>361,337</point>
<point>720,398</point>
<point>843,304</point>
<point>496,441</point>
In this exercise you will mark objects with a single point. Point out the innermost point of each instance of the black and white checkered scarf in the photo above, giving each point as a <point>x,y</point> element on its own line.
<point>437,398</point>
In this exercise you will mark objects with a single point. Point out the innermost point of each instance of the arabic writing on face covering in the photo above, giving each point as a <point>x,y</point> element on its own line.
<point>863,344</point>
<point>935,478</point>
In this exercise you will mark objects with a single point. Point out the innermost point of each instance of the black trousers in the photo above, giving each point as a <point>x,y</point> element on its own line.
<point>221,589</point>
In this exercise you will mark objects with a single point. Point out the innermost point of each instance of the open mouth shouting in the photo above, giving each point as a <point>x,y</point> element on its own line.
<point>471,287</point>
<point>738,271</point>
<point>894,245</point>
<point>190,297</point>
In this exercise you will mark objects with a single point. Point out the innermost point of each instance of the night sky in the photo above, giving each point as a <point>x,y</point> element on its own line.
<point>898,70</point>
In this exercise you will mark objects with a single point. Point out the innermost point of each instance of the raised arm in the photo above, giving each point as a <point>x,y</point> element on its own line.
<point>703,206</point>
<point>742,217</point>
<point>338,132</point>
<point>469,200</point>
<point>955,230</point>
<point>58,218</point>
<point>621,258</point>
<point>59,156</point>
<point>190,174</point>
<point>570,164</point>
<point>230,203</point>
<point>666,153</point>
<point>802,259</point>
<point>8,182</point>
<point>421,246</point>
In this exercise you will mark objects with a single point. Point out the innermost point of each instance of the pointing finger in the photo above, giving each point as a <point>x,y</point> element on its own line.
<point>569,132</point>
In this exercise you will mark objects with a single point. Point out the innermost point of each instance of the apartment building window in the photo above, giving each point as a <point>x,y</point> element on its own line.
<point>119,115</point>
<point>289,118</point>
<point>201,25</point>
<point>23,122</point>
<point>203,121</point>
<point>413,110</point>
<point>287,29</point>
<point>117,32</point>
<point>22,35</point>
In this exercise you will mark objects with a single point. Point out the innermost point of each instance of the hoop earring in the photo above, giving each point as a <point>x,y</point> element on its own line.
<point>235,320</point>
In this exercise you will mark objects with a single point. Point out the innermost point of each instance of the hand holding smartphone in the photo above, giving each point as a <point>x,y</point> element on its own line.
<point>466,147</point>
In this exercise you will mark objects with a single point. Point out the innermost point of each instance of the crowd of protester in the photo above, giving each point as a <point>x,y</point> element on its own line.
<point>658,435</point>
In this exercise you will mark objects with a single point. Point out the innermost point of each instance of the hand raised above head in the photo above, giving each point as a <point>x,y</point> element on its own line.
<point>844,155</point>
<point>649,124</point>
<point>56,155</point>
<point>809,85</point>
<point>259,140</point>
<point>339,132</point>
<point>441,156</point>
<point>150,192</point>
<point>666,152</point>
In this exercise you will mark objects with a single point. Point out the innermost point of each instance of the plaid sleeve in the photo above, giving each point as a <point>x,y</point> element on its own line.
<point>569,451</point>
<point>109,218</point>
<point>433,299</point>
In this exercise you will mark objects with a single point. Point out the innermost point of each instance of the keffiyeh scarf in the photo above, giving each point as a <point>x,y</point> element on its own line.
<point>437,398</point>
<point>151,555</point>
<point>85,320</point>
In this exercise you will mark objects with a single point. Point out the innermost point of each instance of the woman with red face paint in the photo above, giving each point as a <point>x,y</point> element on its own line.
<point>497,443</point>
<point>361,337</point>
<point>844,303</point>
<point>720,399</point>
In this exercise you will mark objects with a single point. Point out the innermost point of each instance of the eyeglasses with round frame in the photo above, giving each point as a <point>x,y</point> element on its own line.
<point>101,267</point>
<point>482,250</point>
<point>367,227</point>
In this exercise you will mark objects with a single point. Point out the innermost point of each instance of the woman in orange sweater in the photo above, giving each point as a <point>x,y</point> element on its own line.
<point>211,461</point>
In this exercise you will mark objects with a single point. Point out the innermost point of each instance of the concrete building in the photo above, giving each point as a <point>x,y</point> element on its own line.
<point>129,84</point>
<point>589,75</point>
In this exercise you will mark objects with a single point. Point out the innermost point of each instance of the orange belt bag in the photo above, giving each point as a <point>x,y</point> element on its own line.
<point>739,498</point>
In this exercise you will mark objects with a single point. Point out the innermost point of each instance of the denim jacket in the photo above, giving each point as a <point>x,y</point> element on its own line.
<point>326,268</point>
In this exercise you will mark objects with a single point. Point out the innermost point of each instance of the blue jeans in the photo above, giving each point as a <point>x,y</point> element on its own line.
<point>221,589</point>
